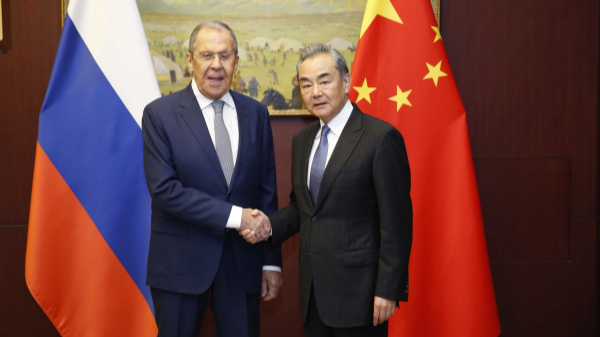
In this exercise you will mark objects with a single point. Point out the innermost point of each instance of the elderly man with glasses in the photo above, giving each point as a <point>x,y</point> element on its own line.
<point>209,160</point>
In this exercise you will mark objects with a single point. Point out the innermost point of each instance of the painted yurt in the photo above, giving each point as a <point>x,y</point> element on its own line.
<point>261,41</point>
<point>242,54</point>
<point>169,40</point>
<point>166,70</point>
<point>340,44</point>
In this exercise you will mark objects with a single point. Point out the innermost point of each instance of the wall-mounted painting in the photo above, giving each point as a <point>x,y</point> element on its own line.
<point>270,34</point>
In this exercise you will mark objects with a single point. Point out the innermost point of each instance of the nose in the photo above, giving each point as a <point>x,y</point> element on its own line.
<point>317,91</point>
<point>215,62</point>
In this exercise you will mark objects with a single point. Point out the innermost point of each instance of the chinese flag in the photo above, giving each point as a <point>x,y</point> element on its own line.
<point>401,74</point>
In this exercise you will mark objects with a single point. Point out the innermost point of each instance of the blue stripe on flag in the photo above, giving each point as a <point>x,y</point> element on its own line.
<point>96,145</point>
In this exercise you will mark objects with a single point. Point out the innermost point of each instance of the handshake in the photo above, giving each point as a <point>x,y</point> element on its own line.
<point>255,226</point>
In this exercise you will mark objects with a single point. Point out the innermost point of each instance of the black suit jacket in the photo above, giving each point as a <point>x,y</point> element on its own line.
<point>355,241</point>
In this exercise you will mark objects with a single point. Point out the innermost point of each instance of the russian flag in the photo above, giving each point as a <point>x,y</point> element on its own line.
<point>89,225</point>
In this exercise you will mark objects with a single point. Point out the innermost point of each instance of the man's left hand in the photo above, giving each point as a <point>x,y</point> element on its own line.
<point>271,282</point>
<point>383,310</point>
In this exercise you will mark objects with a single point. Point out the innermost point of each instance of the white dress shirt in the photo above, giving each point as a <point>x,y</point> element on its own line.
<point>231,124</point>
<point>336,126</point>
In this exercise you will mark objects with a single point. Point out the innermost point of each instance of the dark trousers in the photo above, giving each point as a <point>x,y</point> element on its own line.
<point>314,326</point>
<point>236,312</point>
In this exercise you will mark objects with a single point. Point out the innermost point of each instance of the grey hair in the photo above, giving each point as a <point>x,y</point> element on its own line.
<point>213,24</point>
<point>320,48</point>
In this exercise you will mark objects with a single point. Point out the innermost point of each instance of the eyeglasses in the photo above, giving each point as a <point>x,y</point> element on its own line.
<point>207,57</point>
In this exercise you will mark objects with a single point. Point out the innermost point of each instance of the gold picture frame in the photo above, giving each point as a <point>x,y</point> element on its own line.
<point>5,27</point>
<point>63,11</point>
<point>254,26</point>
<point>435,4</point>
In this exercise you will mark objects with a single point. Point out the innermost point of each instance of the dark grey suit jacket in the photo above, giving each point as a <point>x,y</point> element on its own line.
<point>355,241</point>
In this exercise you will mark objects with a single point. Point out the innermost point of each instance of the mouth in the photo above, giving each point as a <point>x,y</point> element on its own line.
<point>318,105</point>
<point>216,80</point>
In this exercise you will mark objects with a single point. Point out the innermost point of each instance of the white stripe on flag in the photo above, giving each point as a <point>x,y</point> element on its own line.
<point>113,32</point>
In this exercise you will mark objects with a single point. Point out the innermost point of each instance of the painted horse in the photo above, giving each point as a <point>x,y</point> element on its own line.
<point>274,98</point>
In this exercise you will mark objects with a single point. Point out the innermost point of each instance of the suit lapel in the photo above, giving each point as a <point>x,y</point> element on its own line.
<point>305,149</point>
<point>345,146</point>
<point>244,130</point>
<point>192,114</point>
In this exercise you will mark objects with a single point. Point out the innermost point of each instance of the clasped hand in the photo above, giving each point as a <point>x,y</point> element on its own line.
<point>255,226</point>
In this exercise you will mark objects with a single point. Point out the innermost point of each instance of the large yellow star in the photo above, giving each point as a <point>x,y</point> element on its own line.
<point>401,98</point>
<point>364,92</point>
<point>378,7</point>
<point>438,36</point>
<point>435,72</point>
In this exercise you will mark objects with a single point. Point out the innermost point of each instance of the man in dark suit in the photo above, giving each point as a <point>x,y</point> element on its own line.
<point>350,202</point>
<point>209,160</point>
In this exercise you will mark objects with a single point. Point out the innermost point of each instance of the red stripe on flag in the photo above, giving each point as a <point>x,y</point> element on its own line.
<point>71,271</point>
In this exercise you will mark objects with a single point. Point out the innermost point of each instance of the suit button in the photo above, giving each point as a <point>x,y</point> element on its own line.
<point>309,253</point>
<point>314,218</point>
<point>229,196</point>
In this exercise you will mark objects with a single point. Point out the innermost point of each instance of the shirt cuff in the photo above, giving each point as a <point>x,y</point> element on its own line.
<point>273,268</point>
<point>235,217</point>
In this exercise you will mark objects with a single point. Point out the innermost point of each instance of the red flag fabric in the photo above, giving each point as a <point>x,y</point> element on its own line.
<point>401,74</point>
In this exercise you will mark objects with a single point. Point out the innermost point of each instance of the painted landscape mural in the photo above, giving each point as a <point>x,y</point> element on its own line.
<point>270,35</point>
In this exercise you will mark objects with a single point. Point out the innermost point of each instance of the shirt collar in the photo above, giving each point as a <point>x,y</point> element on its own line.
<point>204,102</point>
<point>337,124</point>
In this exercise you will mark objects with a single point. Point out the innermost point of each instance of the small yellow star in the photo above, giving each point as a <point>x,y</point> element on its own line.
<point>435,72</point>
<point>438,36</point>
<point>401,98</point>
<point>364,92</point>
<point>378,7</point>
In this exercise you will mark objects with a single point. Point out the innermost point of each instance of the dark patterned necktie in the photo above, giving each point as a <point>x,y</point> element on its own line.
<point>318,164</point>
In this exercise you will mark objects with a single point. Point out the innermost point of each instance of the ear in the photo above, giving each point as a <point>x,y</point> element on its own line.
<point>190,61</point>
<point>237,60</point>
<point>346,81</point>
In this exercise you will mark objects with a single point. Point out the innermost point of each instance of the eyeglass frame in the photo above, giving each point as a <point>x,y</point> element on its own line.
<point>202,57</point>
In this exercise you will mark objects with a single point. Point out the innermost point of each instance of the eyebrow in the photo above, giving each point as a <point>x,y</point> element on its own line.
<point>220,52</point>
<point>318,77</point>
